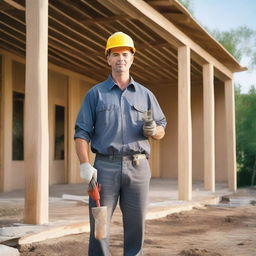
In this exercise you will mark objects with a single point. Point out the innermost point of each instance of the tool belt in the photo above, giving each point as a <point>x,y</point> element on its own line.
<point>135,158</point>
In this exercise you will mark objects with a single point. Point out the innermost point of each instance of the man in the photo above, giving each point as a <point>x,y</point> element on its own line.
<point>112,119</point>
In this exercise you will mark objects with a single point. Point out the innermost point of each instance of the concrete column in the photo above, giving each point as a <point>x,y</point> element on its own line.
<point>209,133</point>
<point>36,113</point>
<point>184,125</point>
<point>6,123</point>
<point>230,134</point>
<point>73,108</point>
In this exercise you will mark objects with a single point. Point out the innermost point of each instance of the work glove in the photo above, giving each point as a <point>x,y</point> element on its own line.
<point>149,128</point>
<point>87,172</point>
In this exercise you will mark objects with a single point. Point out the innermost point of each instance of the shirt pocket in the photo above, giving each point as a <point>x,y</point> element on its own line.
<point>105,114</point>
<point>138,112</point>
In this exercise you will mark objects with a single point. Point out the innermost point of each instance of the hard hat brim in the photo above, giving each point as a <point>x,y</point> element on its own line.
<point>133,50</point>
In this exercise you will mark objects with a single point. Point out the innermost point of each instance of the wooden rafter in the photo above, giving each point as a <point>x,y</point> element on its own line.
<point>77,38</point>
<point>15,5</point>
<point>104,20</point>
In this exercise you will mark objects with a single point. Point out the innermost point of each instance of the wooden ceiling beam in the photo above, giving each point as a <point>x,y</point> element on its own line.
<point>52,42</point>
<point>72,31</point>
<point>162,83</point>
<point>8,32</point>
<point>68,59</point>
<point>12,44</point>
<point>162,26</point>
<point>63,64</point>
<point>157,3</point>
<point>105,20</point>
<point>64,14</point>
<point>155,58</point>
<point>172,59</point>
<point>13,17</point>
<point>177,16</point>
<point>76,57</point>
<point>86,18</point>
<point>4,6</point>
<point>13,28</point>
<point>15,5</point>
<point>91,6</point>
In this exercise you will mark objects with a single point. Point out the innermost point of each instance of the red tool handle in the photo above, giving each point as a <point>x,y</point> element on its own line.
<point>94,191</point>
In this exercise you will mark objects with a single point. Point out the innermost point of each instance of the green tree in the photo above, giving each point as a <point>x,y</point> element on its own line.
<point>246,136</point>
<point>240,42</point>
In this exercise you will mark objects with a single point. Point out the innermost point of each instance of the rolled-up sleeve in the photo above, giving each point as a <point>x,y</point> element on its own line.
<point>84,126</point>
<point>158,114</point>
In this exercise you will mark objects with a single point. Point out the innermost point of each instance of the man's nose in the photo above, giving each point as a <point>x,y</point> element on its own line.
<point>121,57</point>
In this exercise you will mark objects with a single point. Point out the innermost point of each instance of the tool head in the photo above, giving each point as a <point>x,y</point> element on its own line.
<point>100,217</point>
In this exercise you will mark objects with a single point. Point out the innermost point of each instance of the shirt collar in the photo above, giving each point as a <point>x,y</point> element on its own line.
<point>111,83</point>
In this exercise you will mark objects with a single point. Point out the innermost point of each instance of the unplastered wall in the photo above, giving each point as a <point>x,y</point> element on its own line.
<point>220,134</point>
<point>197,132</point>
<point>57,95</point>
<point>17,172</point>
<point>1,126</point>
<point>6,122</point>
<point>168,99</point>
<point>13,79</point>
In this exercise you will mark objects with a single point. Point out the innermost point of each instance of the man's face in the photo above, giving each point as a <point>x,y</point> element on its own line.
<point>120,59</point>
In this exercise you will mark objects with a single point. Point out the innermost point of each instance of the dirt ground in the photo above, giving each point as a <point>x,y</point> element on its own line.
<point>211,231</point>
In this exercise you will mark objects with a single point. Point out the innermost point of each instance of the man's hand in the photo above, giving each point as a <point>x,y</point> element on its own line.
<point>87,172</point>
<point>149,128</point>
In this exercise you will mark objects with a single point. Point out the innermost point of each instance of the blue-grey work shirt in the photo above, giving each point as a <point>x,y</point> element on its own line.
<point>112,119</point>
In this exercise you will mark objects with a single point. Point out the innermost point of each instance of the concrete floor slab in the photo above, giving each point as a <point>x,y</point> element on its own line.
<point>71,216</point>
<point>8,251</point>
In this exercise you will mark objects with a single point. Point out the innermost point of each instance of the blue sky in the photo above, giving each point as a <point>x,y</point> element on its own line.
<point>225,15</point>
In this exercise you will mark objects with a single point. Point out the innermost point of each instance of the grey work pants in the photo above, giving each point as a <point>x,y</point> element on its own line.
<point>121,180</point>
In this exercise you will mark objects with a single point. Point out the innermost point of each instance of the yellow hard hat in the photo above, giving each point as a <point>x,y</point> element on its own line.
<point>119,39</point>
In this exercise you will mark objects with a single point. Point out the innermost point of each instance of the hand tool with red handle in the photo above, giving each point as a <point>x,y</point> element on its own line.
<point>99,212</point>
